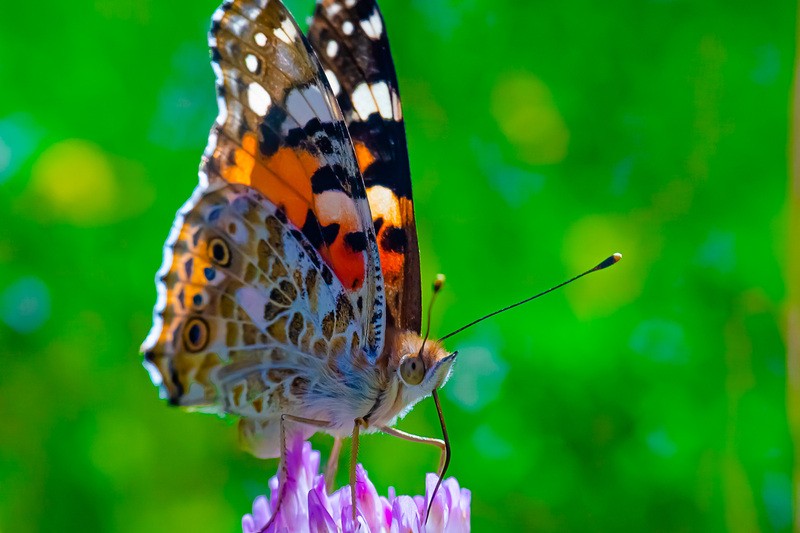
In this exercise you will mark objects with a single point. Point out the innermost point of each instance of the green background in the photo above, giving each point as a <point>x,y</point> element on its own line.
<point>543,136</point>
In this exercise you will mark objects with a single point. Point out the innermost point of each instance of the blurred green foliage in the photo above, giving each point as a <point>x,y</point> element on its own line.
<point>543,136</point>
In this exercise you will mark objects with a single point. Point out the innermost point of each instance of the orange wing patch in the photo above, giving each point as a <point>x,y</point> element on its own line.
<point>284,177</point>
<point>365,158</point>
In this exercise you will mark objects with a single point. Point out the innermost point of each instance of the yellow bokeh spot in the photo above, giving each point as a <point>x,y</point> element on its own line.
<point>592,239</point>
<point>76,181</point>
<point>524,110</point>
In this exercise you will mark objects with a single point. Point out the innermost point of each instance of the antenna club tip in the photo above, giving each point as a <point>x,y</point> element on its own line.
<point>438,283</point>
<point>611,260</point>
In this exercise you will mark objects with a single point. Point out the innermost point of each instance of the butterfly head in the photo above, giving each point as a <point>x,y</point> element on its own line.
<point>421,366</point>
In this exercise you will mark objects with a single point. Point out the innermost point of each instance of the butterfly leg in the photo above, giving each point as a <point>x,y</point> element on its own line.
<point>283,469</point>
<point>400,434</point>
<point>358,422</point>
<point>333,464</point>
<point>443,445</point>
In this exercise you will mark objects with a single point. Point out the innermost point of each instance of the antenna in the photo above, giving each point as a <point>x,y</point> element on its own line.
<point>438,283</point>
<point>611,260</point>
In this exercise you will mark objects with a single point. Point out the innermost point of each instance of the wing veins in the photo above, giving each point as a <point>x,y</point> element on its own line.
<point>342,39</point>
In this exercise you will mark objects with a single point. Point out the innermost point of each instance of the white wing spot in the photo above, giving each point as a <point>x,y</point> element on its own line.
<point>218,14</point>
<point>347,27</point>
<point>334,81</point>
<point>333,9</point>
<point>261,39</point>
<point>222,117</point>
<point>332,48</point>
<point>307,105</point>
<point>380,91</point>
<point>298,108</point>
<point>383,203</point>
<point>373,26</point>
<point>318,103</point>
<point>363,101</point>
<point>252,63</point>
<point>289,28</point>
<point>288,33</point>
<point>280,34</point>
<point>155,373</point>
<point>336,206</point>
<point>349,3</point>
<point>258,99</point>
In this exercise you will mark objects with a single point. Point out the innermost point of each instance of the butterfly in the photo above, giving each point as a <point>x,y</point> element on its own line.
<point>289,293</point>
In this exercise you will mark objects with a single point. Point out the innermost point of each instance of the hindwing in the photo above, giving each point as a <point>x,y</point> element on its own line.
<point>248,313</point>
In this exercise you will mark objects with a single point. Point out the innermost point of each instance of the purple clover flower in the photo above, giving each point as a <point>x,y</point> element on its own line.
<point>308,508</point>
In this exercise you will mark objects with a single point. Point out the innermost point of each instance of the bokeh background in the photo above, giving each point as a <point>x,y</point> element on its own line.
<point>543,137</point>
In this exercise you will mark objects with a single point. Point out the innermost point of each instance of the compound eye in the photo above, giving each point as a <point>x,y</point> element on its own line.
<point>219,252</point>
<point>195,334</point>
<point>412,370</point>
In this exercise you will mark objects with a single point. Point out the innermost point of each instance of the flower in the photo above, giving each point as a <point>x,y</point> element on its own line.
<point>308,508</point>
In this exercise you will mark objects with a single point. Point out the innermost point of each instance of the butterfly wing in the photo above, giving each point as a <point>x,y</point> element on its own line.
<point>281,132</point>
<point>271,275</point>
<point>245,302</point>
<point>351,42</point>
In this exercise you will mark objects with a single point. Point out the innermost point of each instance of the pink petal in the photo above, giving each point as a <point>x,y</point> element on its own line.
<point>460,516</point>
<point>248,526</point>
<point>422,506</point>
<point>452,492</point>
<point>349,526</point>
<point>386,513</point>
<point>320,519</point>
<point>339,499</point>
<point>367,500</point>
<point>439,508</point>
<point>273,491</point>
<point>405,516</point>
<point>261,512</point>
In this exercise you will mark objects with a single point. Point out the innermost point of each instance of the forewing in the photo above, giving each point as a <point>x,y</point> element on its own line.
<point>248,314</point>
<point>351,42</point>
<point>281,132</point>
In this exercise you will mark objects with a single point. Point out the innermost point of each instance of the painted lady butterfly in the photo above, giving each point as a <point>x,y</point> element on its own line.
<point>289,294</point>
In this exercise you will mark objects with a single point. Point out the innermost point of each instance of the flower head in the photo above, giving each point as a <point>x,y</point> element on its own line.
<point>307,506</point>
